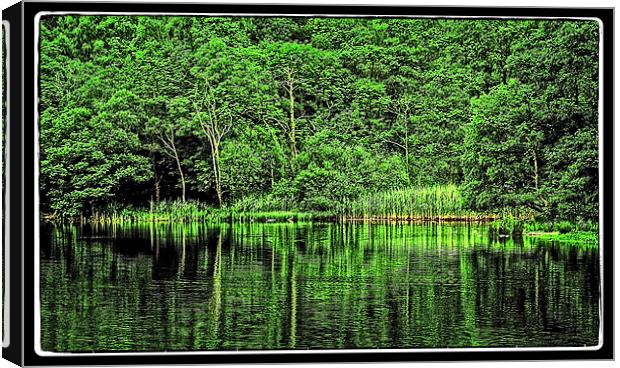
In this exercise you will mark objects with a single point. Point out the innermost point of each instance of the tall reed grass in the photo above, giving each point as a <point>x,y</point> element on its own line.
<point>267,208</point>
<point>436,203</point>
<point>164,211</point>
<point>440,202</point>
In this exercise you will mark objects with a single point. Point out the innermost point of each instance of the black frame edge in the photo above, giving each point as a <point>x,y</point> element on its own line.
<point>606,352</point>
<point>15,351</point>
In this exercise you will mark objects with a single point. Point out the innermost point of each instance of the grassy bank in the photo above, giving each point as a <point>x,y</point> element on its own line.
<point>191,211</point>
<point>436,203</point>
<point>422,204</point>
<point>572,237</point>
<point>563,231</point>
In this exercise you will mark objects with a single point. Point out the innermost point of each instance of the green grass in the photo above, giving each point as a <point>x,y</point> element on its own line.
<point>165,211</point>
<point>418,203</point>
<point>562,231</point>
<point>436,203</point>
<point>562,227</point>
<point>440,202</point>
<point>273,216</point>
<point>572,237</point>
<point>267,208</point>
<point>194,211</point>
<point>506,226</point>
<point>254,203</point>
<point>405,203</point>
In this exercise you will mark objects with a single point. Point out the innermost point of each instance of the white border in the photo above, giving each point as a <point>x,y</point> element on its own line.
<point>37,302</point>
<point>6,337</point>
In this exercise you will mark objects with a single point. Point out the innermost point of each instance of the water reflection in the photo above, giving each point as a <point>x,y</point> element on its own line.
<point>156,287</point>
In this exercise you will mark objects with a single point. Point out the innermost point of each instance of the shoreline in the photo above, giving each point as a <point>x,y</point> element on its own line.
<point>268,217</point>
<point>502,227</point>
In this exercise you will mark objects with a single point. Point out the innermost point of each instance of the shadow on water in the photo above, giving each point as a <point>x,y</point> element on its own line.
<point>156,287</point>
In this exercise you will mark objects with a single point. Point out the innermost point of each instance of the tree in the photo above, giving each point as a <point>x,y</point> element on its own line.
<point>168,130</point>
<point>216,121</point>
<point>504,150</point>
<point>89,162</point>
<point>293,65</point>
<point>309,112</point>
<point>220,71</point>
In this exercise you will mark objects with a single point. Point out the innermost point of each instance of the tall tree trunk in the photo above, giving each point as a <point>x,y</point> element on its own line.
<point>157,178</point>
<point>170,149</point>
<point>217,123</point>
<point>407,150</point>
<point>178,161</point>
<point>292,134</point>
<point>272,176</point>
<point>182,176</point>
<point>157,191</point>
<point>535,171</point>
<point>537,180</point>
<point>215,161</point>
<point>218,176</point>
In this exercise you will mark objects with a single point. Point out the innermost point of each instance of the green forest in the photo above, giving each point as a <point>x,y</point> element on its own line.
<point>148,117</point>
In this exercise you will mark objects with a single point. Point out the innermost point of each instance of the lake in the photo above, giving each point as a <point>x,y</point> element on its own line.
<point>156,287</point>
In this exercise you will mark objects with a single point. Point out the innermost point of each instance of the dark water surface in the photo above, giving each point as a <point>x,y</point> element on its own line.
<point>298,286</point>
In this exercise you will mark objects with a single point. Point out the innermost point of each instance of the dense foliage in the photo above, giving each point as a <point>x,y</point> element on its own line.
<point>310,113</point>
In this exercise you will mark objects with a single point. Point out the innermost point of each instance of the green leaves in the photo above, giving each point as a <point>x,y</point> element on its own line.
<point>318,110</point>
<point>502,148</point>
<point>90,160</point>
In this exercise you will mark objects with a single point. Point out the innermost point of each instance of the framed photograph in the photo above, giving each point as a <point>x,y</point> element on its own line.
<point>212,183</point>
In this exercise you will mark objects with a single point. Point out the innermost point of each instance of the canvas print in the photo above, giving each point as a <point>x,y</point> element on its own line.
<point>276,183</point>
